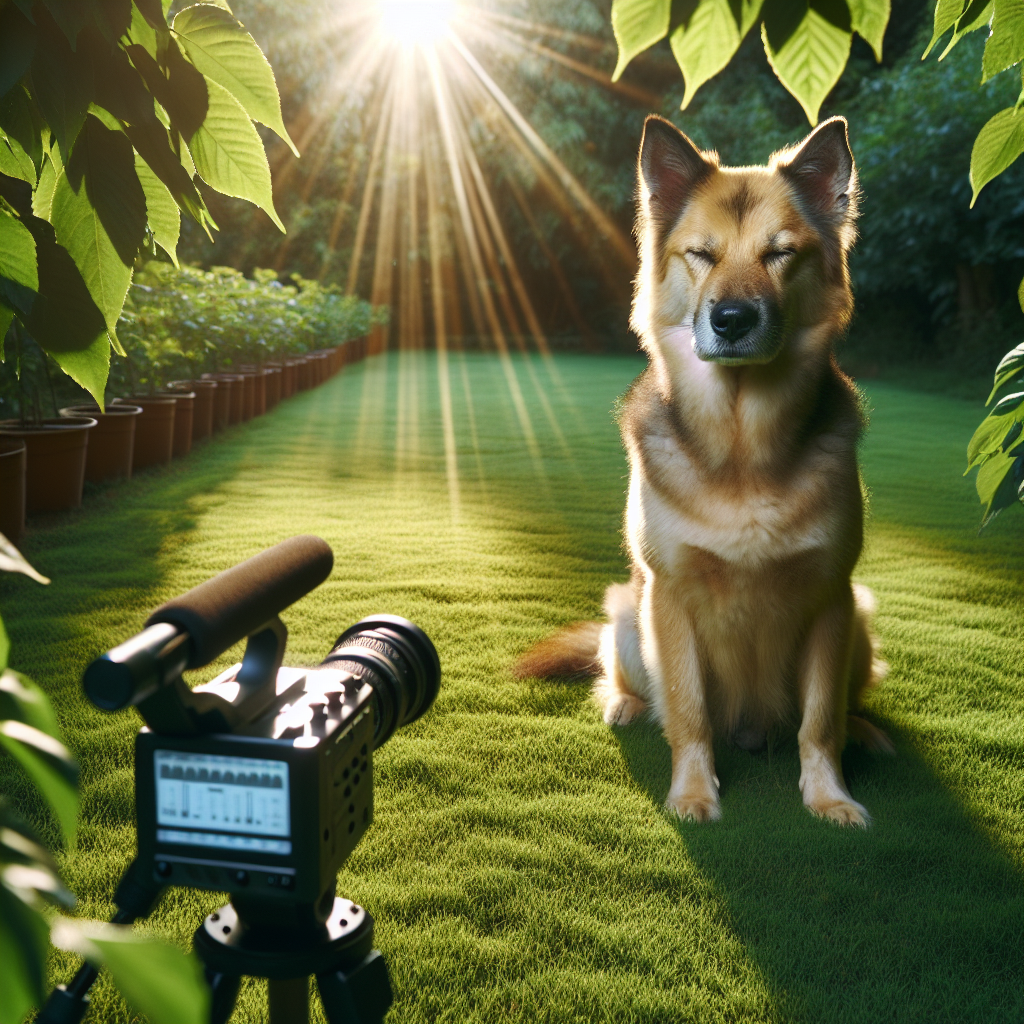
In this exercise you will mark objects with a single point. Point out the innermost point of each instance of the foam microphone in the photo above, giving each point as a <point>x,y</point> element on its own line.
<point>193,629</point>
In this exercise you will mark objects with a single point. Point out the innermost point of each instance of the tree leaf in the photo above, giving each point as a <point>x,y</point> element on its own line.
<point>946,14</point>
<point>181,91</point>
<point>22,700</point>
<point>12,560</point>
<point>71,16</point>
<point>17,46</point>
<point>23,953</point>
<point>158,979</point>
<point>228,153</point>
<point>704,45</point>
<point>99,215</point>
<point>42,197</point>
<point>998,144</point>
<point>997,484</point>
<point>1005,46</point>
<point>50,766</point>
<point>869,19</point>
<point>993,429</point>
<point>6,319</point>
<point>811,60</point>
<point>61,83</point>
<point>1009,366</point>
<point>225,53</point>
<point>17,253</point>
<point>89,367</point>
<point>162,211</point>
<point>21,127</point>
<point>977,15</point>
<point>638,24</point>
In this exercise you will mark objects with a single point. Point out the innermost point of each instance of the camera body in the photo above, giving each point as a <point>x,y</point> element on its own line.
<point>268,812</point>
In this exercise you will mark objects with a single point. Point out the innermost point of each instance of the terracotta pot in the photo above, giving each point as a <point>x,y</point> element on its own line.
<point>154,430</point>
<point>112,441</point>
<point>184,414</point>
<point>234,398</point>
<point>289,378</point>
<point>272,387</point>
<point>203,406</point>
<point>304,374</point>
<point>12,488</point>
<point>55,461</point>
<point>259,388</point>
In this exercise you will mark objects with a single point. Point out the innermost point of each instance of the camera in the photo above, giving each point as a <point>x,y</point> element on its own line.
<point>260,783</point>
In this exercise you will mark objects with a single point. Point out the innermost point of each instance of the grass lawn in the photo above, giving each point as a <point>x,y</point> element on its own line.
<point>520,867</point>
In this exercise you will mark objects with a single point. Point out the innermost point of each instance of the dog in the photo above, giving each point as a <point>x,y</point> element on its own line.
<point>745,512</point>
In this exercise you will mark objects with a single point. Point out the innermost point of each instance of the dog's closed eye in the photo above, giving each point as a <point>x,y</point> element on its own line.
<point>704,257</point>
<point>777,256</point>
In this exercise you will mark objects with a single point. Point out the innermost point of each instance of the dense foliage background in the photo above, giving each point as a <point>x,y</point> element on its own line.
<point>935,279</point>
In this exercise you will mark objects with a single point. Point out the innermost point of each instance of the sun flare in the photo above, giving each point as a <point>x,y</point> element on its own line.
<point>415,22</point>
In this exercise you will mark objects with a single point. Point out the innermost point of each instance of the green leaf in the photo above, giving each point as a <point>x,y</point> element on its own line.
<point>811,60</point>
<point>12,560</point>
<point>23,952</point>
<point>704,45</point>
<point>1005,46</point>
<point>6,319</point>
<point>17,45</point>
<point>869,20</point>
<point>977,15</point>
<point>17,253</point>
<point>158,979</point>
<point>161,210</point>
<point>226,54</point>
<point>997,484</point>
<point>88,367</point>
<point>42,198</point>
<point>71,15</point>
<point>946,14</point>
<point>22,700</point>
<point>21,127</point>
<point>61,83</point>
<point>14,161</point>
<point>50,766</point>
<point>99,215</point>
<point>5,646</point>
<point>638,24</point>
<point>998,144</point>
<point>228,153</point>
<point>993,429</point>
<point>1009,366</point>
<point>179,88</point>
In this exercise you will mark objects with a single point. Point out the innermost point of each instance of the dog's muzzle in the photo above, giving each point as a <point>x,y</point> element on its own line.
<point>736,332</point>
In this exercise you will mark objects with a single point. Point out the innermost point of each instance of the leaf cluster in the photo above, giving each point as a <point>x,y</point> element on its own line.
<point>807,42</point>
<point>110,114</point>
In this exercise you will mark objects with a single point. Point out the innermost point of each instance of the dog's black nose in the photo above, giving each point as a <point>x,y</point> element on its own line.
<point>732,320</point>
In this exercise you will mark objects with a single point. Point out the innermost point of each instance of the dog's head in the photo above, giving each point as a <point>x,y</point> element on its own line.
<point>746,257</point>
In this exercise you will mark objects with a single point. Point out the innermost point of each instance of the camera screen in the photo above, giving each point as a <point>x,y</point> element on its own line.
<point>231,803</point>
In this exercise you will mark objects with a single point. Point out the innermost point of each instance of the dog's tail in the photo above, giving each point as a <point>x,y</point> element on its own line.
<point>867,669</point>
<point>572,653</point>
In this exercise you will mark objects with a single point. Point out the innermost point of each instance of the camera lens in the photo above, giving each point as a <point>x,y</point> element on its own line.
<point>398,660</point>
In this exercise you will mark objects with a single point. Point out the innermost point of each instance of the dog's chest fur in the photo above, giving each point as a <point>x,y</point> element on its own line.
<point>714,526</point>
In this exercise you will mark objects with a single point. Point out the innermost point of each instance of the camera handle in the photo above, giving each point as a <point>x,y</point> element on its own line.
<point>352,976</point>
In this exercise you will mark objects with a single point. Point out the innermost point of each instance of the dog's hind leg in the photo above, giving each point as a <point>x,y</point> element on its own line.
<point>866,670</point>
<point>623,678</point>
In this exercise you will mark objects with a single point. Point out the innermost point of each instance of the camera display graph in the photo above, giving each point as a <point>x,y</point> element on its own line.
<point>225,802</point>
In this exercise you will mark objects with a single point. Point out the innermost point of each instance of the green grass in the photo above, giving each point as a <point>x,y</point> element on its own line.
<point>520,867</point>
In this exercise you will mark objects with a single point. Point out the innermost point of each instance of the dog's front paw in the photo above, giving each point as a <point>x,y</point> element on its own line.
<point>844,811</point>
<point>622,708</point>
<point>695,807</point>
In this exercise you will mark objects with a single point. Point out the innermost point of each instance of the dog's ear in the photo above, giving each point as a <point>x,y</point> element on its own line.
<point>670,167</point>
<point>822,173</point>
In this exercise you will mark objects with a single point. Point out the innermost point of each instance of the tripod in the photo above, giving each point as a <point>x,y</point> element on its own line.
<point>351,976</point>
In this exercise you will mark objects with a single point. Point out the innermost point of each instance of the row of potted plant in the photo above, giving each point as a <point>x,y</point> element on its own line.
<point>44,463</point>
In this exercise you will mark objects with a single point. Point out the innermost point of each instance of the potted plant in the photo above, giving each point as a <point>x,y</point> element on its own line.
<point>55,460</point>
<point>12,488</point>
<point>111,445</point>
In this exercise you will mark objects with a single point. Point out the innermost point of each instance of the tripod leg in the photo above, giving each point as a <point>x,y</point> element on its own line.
<point>223,993</point>
<point>361,995</point>
<point>289,1000</point>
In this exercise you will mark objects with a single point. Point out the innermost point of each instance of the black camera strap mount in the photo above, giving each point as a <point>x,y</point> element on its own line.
<point>351,976</point>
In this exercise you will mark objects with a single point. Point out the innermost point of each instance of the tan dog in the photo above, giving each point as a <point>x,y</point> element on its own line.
<point>745,516</point>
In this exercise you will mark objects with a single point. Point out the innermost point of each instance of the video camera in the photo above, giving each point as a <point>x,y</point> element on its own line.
<point>260,783</point>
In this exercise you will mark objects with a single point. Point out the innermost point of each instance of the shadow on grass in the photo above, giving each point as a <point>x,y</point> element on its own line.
<point>917,918</point>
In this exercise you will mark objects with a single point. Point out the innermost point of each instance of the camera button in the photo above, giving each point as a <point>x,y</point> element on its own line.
<point>286,881</point>
<point>241,877</point>
<point>163,869</point>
